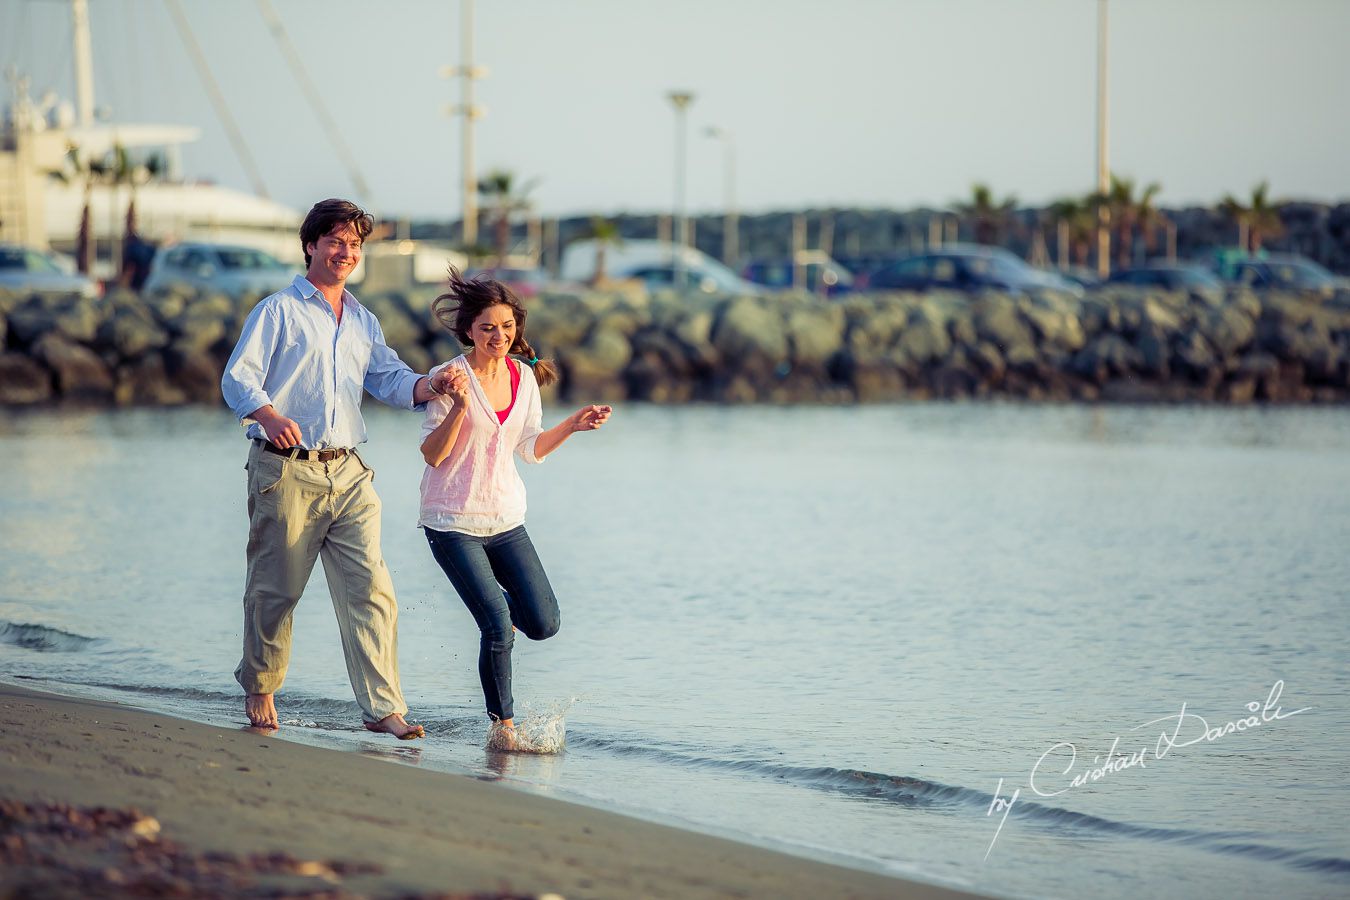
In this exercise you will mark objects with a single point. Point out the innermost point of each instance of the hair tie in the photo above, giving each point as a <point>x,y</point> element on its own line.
<point>533,360</point>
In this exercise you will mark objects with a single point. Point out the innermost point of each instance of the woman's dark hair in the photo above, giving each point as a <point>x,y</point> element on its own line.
<point>327,215</point>
<point>458,307</point>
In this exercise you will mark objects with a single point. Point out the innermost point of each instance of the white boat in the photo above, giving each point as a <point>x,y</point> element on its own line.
<point>40,209</point>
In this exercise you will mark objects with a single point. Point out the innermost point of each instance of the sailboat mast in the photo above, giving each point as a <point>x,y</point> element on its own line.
<point>84,62</point>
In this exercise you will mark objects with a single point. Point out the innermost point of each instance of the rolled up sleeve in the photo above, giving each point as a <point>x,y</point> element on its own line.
<point>241,385</point>
<point>388,378</point>
<point>534,426</point>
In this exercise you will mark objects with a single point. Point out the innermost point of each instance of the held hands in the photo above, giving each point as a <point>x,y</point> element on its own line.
<point>454,384</point>
<point>589,418</point>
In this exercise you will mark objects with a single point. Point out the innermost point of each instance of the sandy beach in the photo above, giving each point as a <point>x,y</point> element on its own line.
<point>101,799</point>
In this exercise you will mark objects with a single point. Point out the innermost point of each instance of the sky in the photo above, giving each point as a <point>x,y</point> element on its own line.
<point>871,103</point>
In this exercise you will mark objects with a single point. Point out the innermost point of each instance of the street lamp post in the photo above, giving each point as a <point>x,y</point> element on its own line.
<point>468,73</point>
<point>731,220</point>
<point>681,101</point>
<point>1103,165</point>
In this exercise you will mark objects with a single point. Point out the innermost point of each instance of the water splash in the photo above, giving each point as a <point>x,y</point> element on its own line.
<point>542,730</point>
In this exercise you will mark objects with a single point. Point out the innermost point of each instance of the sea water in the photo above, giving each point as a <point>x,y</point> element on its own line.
<point>1034,651</point>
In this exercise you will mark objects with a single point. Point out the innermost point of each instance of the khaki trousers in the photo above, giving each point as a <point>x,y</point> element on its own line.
<point>299,510</point>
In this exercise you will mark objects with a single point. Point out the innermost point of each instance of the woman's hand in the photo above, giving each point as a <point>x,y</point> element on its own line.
<point>454,384</point>
<point>589,418</point>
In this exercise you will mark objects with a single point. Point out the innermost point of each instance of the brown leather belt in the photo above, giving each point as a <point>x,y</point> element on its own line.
<point>302,453</point>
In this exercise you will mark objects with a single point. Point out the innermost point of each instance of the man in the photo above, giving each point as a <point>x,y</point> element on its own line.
<point>295,379</point>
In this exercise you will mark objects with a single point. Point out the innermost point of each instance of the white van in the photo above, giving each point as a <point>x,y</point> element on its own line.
<point>654,264</point>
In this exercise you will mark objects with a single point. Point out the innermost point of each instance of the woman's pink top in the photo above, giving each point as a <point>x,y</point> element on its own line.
<point>514,367</point>
<point>476,489</point>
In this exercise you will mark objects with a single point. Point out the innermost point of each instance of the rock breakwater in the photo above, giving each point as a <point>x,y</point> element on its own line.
<point>1111,345</point>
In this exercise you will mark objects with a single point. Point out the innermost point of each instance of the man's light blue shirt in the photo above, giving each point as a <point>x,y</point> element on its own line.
<point>295,355</point>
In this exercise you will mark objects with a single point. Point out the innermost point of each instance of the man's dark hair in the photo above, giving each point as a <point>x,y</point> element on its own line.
<point>327,215</point>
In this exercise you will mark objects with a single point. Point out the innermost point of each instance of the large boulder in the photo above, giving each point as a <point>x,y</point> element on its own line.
<point>923,341</point>
<point>659,371</point>
<point>1106,356</point>
<point>558,320</point>
<point>814,336</point>
<point>996,320</point>
<point>146,382</point>
<point>693,330</point>
<point>73,318</point>
<point>1154,350</point>
<point>595,367</point>
<point>204,323</point>
<point>1229,329</point>
<point>81,375</point>
<point>1193,356</point>
<point>194,370</point>
<point>751,338</point>
<point>23,381</point>
<point>132,332</point>
<point>1054,325</point>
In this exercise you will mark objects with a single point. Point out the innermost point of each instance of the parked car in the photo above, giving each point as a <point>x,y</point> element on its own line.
<point>1286,272</point>
<point>1080,275</point>
<point>863,266</point>
<point>26,271</point>
<point>653,263</point>
<point>1170,277</point>
<point>820,274</point>
<point>223,268</point>
<point>968,268</point>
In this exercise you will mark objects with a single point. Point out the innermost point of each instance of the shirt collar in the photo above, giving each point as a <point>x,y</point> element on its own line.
<point>308,291</point>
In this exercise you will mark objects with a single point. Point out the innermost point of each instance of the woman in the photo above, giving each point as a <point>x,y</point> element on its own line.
<point>473,501</point>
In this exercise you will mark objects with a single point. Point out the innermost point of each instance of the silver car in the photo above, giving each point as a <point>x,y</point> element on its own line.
<point>218,268</point>
<point>25,271</point>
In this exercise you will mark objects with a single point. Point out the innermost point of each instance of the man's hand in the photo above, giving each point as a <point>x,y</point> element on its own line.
<point>281,431</point>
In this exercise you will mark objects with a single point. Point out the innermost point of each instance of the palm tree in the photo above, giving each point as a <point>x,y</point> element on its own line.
<point>75,166</point>
<point>1126,212</point>
<point>989,216</point>
<point>500,190</point>
<point>605,234</point>
<point>114,168</point>
<point>1078,217</point>
<point>1149,218</point>
<point>1256,222</point>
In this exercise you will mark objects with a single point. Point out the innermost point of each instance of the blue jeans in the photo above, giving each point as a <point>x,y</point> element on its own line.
<point>502,582</point>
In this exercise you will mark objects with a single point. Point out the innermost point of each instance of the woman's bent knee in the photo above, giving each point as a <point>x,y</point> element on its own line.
<point>542,631</point>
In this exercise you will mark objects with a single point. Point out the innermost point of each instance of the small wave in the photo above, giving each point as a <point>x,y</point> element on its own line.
<point>297,710</point>
<point>900,789</point>
<point>157,690</point>
<point>42,638</point>
<point>920,793</point>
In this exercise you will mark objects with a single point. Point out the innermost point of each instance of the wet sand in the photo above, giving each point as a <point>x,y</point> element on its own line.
<point>98,799</point>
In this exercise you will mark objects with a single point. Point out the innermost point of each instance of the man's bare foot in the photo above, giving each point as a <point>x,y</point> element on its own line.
<point>262,712</point>
<point>395,725</point>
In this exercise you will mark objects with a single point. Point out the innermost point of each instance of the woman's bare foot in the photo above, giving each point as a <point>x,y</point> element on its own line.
<point>394,724</point>
<point>262,712</point>
<point>502,735</point>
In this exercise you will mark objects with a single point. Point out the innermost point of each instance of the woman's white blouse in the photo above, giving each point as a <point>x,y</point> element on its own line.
<point>476,489</point>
